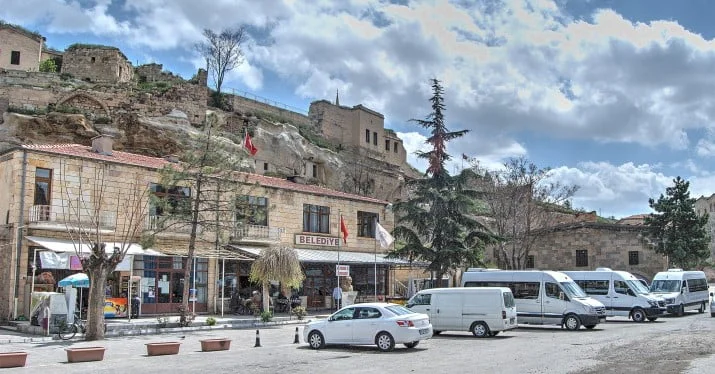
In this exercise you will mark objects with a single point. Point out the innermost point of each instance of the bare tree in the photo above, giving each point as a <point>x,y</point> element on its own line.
<point>102,215</point>
<point>222,52</point>
<point>520,199</point>
<point>359,180</point>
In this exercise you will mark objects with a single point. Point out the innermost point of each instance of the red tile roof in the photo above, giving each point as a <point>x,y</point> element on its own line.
<point>78,150</point>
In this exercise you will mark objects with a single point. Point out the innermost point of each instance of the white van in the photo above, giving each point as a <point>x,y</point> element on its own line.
<point>483,311</point>
<point>682,290</point>
<point>542,297</point>
<point>621,292</point>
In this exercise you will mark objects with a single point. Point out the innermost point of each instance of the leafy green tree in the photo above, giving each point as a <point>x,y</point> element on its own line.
<point>676,231</point>
<point>437,224</point>
<point>48,66</point>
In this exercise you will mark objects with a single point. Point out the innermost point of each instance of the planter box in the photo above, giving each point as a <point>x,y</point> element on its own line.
<point>162,348</point>
<point>208,345</point>
<point>85,354</point>
<point>12,359</point>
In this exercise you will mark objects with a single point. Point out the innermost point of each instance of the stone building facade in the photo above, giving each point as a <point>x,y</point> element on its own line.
<point>38,225</point>
<point>590,245</point>
<point>96,63</point>
<point>706,205</point>
<point>20,49</point>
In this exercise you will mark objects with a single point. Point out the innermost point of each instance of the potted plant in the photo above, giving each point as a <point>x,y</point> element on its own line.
<point>299,312</point>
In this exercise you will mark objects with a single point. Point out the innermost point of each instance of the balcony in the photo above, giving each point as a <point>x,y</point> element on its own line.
<point>256,234</point>
<point>165,224</point>
<point>85,218</point>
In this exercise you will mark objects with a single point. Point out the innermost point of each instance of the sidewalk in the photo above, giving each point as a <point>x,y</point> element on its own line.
<point>23,332</point>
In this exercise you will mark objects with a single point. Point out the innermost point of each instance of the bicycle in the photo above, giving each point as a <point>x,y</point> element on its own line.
<point>68,331</point>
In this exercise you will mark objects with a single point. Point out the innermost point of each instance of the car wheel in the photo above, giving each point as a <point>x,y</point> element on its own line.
<point>385,342</point>
<point>436,332</point>
<point>712,314</point>
<point>315,340</point>
<point>681,310</point>
<point>638,315</point>
<point>590,327</point>
<point>702,308</point>
<point>412,344</point>
<point>652,319</point>
<point>572,322</point>
<point>480,329</point>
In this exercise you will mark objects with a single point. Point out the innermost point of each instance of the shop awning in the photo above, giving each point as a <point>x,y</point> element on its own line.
<point>330,256</point>
<point>224,253</point>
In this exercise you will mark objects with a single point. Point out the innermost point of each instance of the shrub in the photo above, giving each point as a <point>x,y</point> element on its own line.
<point>299,312</point>
<point>266,316</point>
<point>48,66</point>
<point>162,321</point>
<point>210,321</point>
<point>103,120</point>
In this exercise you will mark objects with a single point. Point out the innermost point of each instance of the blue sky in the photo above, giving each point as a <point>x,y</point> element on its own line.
<point>614,96</point>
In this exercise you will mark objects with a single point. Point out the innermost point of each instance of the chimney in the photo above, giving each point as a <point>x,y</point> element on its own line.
<point>102,144</point>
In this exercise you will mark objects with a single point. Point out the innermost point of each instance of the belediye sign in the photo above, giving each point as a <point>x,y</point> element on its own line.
<point>325,241</point>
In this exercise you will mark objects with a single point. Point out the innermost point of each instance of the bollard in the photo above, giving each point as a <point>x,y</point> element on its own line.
<point>296,340</point>
<point>258,339</point>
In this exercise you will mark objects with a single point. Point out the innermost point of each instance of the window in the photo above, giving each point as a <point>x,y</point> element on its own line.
<point>620,287</point>
<point>15,58</point>
<point>315,171</point>
<point>43,186</point>
<point>93,59</point>
<point>581,257</point>
<point>529,262</point>
<point>525,290</point>
<point>367,313</point>
<point>695,285</point>
<point>374,138</point>
<point>265,166</point>
<point>387,144</point>
<point>169,201</point>
<point>422,299</point>
<point>366,224</point>
<point>552,290</point>
<point>594,287</point>
<point>316,218</point>
<point>394,147</point>
<point>343,314</point>
<point>252,210</point>
<point>633,258</point>
<point>367,136</point>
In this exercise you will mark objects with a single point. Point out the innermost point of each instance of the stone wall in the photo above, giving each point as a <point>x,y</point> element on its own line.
<point>155,73</point>
<point>251,106</point>
<point>608,245</point>
<point>97,64</point>
<point>705,205</point>
<point>30,47</point>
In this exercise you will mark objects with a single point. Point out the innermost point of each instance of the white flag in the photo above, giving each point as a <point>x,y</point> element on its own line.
<point>382,236</point>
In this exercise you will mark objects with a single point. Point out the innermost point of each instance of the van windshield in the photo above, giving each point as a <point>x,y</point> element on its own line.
<point>508,300</point>
<point>572,289</point>
<point>664,285</point>
<point>637,287</point>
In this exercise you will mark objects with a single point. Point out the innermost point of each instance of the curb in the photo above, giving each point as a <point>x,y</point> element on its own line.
<point>20,339</point>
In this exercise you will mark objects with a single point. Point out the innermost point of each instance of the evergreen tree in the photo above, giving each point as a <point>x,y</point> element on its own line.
<point>676,230</point>
<point>436,224</point>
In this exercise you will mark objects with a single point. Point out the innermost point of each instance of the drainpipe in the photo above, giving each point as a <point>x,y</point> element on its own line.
<point>18,238</point>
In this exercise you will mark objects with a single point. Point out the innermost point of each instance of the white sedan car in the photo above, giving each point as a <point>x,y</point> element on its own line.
<point>382,324</point>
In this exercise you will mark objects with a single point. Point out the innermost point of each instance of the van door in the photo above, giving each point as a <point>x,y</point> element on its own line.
<point>527,296</point>
<point>421,303</point>
<point>622,299</point>
<point>447,311</point>
<point>555,303</point>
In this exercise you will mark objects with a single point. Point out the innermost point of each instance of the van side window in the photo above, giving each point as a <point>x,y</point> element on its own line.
<point>620,287</point>
<point>552,290</point>
<point>423,299</point>
<point>594,287</point>
<point>695,285</point>
<point>526,290</point>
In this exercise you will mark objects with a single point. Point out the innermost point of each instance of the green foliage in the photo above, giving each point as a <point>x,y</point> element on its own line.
<point>266,316</point>
<point>162,321</point>
<point>74,46</point>
<point>221,101</point>
<point>48,66</point>
<point>299,312</point>
<point>676,230</point>
<point>278,264</point>
<point>27,111</point>
<point>66,76</point>
<point>160,87</point>
<point>65,109</point>
<point>436,224</point>
<point>102,120</point>
<point>210,321</point>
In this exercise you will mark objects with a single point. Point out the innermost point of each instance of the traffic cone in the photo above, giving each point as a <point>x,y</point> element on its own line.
<point>258,339</point>
<point>296,340</point>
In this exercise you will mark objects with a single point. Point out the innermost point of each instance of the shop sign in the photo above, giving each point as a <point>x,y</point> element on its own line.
<point>324,241</point>
<point>342,270</point>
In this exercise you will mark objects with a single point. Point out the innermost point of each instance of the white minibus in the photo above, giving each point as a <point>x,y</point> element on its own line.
<point>483,311</point>
<point>621,292</point>
<point>542,297</point>
<point>682,290</point>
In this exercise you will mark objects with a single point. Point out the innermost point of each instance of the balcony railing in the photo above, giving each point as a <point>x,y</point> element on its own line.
<point>72,217</point>
<point>168,224</point>
<point>243,232</point>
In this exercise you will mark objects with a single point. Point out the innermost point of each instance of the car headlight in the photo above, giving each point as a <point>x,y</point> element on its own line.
<point>669,300</point>
<point>590,309</point>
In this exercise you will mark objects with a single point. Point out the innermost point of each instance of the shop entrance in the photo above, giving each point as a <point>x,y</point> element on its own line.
<point>162,283</point>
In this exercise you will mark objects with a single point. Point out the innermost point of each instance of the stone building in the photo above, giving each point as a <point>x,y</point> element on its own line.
<point>706,205</point>
<point>42,182</point>
<point>20,49</point>
<point>97,63</point>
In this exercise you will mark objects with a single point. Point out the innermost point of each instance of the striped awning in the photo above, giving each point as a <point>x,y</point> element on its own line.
<point>330,256</point>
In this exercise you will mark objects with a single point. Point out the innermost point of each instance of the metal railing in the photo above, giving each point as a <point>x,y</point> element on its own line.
<point>70,216</point>
<point>169,224</point>
<point>256,232</point>
<point>261,99</point>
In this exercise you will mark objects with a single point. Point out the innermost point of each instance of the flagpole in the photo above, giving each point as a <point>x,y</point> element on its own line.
<point>340,236</point>
<point>376,259</point>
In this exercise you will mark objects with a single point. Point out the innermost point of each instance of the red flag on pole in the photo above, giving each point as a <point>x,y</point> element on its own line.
<point>248,144</point>
<point>344,229</point>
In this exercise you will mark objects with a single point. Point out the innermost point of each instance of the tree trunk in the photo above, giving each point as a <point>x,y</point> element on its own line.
<point>184,310</point>
<point>95,306</point>
<point>266,297</point>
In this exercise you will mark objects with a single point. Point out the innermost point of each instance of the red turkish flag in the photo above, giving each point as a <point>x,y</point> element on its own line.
<point>344,230</point>
<point>248,144</point>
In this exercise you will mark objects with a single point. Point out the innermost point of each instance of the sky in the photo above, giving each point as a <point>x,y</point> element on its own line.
<point>614,96</point>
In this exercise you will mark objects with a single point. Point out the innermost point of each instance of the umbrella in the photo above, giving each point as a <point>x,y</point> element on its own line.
<point>79,280</point>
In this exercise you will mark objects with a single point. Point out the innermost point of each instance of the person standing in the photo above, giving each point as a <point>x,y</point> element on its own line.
<point>338,296</point>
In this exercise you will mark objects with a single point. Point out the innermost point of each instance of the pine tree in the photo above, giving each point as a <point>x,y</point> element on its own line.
<point>436,224</point>
<point>676,230</point>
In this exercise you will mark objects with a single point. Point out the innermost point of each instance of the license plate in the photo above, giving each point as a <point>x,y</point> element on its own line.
<point>512,320</point>
<point>424,331</point>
